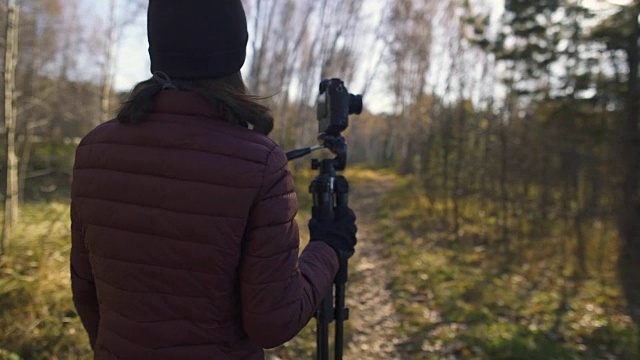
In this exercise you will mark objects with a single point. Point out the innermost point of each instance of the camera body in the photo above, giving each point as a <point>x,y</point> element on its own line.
<point>334,106</point>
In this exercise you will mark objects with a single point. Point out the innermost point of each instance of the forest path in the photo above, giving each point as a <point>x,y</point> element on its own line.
<point>373,320</point>
<point>373,329</point>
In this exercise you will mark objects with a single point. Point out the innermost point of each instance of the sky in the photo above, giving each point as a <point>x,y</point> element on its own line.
<point>132,59</point>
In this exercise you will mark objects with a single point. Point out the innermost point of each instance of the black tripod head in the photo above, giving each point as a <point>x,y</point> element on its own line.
<point>334,105</point>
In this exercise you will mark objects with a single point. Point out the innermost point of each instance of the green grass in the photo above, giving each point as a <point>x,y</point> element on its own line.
<point>469,299</point>
<point>462,298</point>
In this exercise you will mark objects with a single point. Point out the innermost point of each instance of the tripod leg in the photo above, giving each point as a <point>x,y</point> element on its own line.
<point>341,314</point>
<point>323,318</point>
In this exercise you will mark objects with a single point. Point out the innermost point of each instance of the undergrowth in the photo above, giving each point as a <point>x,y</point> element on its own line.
<point>37,317</point>
<point>459,296</point>
<point>471,297</point>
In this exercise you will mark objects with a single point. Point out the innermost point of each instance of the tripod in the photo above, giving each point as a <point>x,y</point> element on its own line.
<point>330,194</point>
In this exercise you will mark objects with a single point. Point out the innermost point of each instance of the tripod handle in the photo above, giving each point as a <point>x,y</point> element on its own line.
<point>341,191</point>
<point>323,199</point>
<point>322,189</point>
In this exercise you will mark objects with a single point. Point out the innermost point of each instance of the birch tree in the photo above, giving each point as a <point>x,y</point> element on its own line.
<point>119,17</point>
<point>294,45</point>
<point>410,44</point>
<point>11,161</point>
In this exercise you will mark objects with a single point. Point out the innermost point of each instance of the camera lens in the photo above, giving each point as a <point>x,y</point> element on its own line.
<point>355,104</point>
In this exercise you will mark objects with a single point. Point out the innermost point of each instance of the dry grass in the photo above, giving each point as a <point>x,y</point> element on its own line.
<point>466,297</point>
<point>456,298</point>
<point>37,318</point>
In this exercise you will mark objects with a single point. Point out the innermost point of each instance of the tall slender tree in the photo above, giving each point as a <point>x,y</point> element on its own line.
<point>630,210</point>
<point>11,161</point>
<point>620,33</point>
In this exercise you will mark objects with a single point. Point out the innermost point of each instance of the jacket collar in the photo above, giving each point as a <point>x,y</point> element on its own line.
<point>185,103</point>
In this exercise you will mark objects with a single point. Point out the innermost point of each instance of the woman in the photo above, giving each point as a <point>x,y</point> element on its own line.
<point>184,243</point>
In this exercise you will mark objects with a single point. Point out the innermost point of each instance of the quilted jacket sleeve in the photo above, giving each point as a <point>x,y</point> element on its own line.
<point>279,290</point>
<point>82,283</point>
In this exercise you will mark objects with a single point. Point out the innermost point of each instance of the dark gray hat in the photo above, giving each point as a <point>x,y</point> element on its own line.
<point>197,39</point>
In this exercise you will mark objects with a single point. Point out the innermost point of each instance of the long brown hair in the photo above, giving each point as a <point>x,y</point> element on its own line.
<point>229,94</point>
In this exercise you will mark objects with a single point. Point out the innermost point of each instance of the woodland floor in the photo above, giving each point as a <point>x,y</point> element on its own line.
<point>373,329</point>
<point>415,292</point>
<point>374,320</point>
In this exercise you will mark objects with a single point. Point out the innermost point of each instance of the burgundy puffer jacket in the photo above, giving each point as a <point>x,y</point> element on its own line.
<point>184,239</point>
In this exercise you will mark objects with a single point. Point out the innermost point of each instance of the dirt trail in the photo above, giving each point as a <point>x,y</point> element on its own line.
<point>373,319</point>
<point>372,329</point>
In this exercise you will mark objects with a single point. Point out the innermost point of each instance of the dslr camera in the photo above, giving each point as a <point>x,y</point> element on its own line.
<point>334,106</point>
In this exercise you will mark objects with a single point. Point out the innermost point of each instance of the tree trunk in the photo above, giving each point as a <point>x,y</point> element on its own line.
<point>629,217</point>
<point>10,59</point>
<point>107,71</point>
<point>504,173</point>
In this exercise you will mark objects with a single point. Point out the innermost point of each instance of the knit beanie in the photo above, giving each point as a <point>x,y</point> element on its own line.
<point>197,39</point>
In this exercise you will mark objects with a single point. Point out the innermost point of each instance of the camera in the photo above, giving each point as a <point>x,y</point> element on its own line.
<point>334,106</point>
